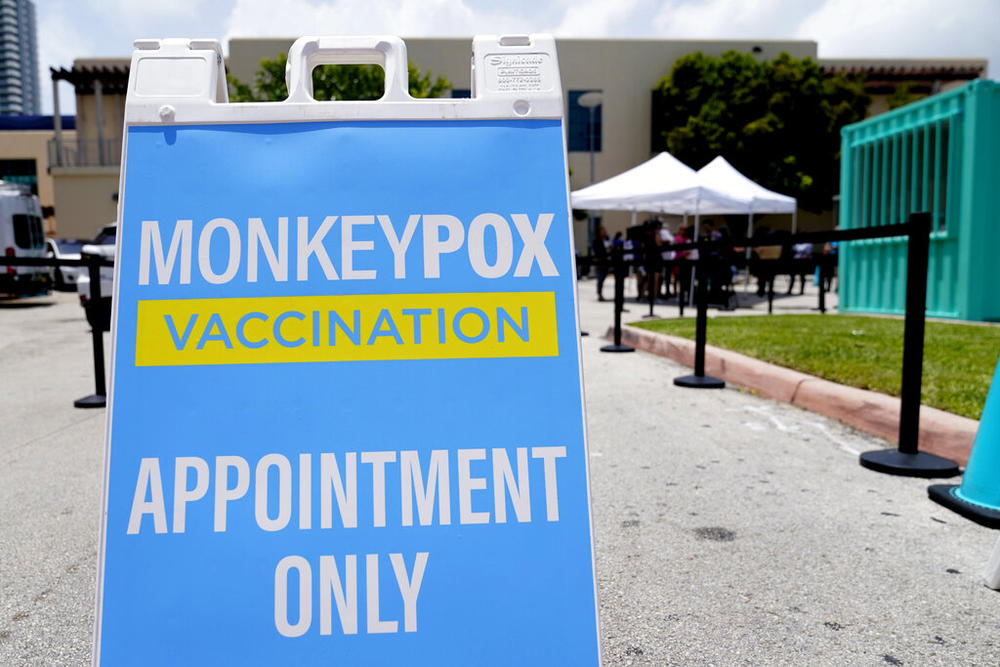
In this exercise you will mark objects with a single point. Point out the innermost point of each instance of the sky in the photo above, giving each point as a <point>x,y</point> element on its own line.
<point>69,29</point>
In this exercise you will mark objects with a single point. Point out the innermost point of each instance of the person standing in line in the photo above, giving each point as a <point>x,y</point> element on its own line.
<point>599,252</point>
<point>830,262</point>
<point>653,257</point>
<point>681,270</point>
<point>666,257</point>
<point>765,259</point>
<point>801,265</point>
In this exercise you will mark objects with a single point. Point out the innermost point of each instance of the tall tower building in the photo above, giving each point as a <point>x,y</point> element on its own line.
<point>18,58</point>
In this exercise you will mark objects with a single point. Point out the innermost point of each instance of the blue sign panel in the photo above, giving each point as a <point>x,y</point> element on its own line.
<point>347,422</point>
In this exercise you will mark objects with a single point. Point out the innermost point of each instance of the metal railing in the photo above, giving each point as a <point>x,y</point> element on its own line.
<point>85,153</point>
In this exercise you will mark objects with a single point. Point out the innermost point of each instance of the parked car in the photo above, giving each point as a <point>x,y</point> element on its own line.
<point>64,277</point>
<point>103,245</point>
<point>21,235</point>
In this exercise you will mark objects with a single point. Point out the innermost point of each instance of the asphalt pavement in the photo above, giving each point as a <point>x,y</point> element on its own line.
<point>729,529</point>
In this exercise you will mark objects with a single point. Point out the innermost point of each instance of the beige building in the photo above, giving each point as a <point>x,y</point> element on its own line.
<point>85,165</point>
<point>624,71</point>
<point>25,159</point>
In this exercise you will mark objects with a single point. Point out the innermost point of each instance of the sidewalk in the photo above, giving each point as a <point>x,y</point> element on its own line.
<point>729,528</point>
<point>734,529</point>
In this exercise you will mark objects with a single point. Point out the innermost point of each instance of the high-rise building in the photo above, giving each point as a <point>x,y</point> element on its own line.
<point>18,58</point>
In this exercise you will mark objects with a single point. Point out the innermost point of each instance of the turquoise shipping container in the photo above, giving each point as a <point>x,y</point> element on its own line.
<point>940,155</point>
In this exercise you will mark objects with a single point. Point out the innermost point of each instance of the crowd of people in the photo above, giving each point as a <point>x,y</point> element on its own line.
<point>664,272</point>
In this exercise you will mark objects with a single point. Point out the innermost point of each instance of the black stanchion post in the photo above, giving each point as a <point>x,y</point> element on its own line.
<point>906,459</point>
<point>681,292</point>
<point>618,262</point>
<point>699,380</point>
<point>98,398</point>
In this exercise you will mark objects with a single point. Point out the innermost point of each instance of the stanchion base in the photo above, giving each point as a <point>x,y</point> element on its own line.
<point>944,494</point>
<point>92,401</point>
<point>617,348</point>
<point>895,462</point>
<point>699,382</point>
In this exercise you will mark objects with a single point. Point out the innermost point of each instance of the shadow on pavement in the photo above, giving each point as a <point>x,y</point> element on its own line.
<point>13,303</point>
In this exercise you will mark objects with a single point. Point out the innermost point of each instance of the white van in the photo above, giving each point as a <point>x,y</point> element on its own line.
<point>21,235</point>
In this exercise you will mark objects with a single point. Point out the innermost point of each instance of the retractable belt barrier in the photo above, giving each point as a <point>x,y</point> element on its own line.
<point>906,459</point>
<point>346,415</point>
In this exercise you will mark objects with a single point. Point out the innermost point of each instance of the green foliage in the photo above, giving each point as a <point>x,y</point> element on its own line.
<point>903,94</point>
<point>778,122</point>
<point>331,82</point>
<point>863,352</point>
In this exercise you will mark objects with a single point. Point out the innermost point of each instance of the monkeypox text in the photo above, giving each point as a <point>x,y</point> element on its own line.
<point>169,253</point>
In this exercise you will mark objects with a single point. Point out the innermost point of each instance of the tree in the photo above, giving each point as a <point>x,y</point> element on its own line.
<point>331,82</point>
<point>778,122</point>
<point>904,94</point>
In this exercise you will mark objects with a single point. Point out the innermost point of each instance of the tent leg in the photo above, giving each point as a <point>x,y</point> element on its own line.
<point>746,281</point>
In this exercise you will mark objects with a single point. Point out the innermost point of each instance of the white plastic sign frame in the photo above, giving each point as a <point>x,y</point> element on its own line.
<point>346,417</point>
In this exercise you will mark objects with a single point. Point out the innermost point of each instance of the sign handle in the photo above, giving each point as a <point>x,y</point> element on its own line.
<point>308,52</point>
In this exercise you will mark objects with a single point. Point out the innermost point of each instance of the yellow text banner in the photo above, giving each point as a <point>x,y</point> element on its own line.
<point>267,330</point>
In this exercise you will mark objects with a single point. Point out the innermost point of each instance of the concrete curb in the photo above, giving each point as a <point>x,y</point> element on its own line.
<point>941,432</point>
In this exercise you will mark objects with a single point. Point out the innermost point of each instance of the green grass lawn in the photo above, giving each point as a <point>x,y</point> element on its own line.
<point>864,352</point>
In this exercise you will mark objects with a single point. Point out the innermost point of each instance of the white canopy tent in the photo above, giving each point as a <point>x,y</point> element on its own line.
<point>663,184</point>
<point>723,176</point>
<point>720,174</point>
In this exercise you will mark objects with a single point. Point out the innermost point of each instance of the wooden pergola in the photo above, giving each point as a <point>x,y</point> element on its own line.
<point>96,80</point>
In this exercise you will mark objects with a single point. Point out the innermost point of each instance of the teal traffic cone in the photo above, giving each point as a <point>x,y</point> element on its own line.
<point>978,498</point>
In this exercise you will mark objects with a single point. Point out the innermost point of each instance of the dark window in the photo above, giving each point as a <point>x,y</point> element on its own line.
<point>579,128</point>
<point>24,172</point>
<point>22,231</point>
<point>461,92</point>
<point>28,231</point>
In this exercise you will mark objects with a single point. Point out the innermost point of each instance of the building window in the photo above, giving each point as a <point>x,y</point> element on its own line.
<point>24,172</point>
<point>579,128</point>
